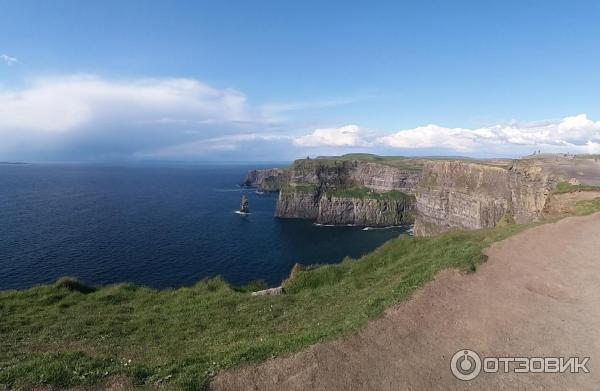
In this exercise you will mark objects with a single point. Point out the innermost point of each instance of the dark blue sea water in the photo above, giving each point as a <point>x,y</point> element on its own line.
<point>161,226</point>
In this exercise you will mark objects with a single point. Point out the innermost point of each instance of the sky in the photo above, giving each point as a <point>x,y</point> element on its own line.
<point>277,80</point>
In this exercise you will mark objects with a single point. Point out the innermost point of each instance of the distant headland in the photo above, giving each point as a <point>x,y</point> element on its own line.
<point>436,194</point>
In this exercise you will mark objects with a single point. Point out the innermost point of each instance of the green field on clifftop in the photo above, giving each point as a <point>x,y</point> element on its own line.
<point>67,334</point>
<point>401,162</point>
<point>566,187</point>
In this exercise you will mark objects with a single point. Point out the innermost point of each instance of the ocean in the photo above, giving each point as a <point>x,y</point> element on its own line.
<point>155,225</point>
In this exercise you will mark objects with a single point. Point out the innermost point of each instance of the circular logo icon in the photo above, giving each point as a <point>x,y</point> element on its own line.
<point>465,364</point>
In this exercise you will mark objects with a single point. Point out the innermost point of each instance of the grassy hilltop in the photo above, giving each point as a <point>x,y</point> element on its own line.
<point>405,162</point>
<point>69,334</point>
<point>402,162</point>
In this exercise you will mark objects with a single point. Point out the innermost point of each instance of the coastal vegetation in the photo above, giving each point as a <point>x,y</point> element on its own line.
<point>401,162</point>
<point>407,163</point>
<point>587,207</point>
<point>566,187</point>
<point>68,334</point>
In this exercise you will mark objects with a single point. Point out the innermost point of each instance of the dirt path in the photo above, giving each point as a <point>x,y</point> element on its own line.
<point>538,295</point>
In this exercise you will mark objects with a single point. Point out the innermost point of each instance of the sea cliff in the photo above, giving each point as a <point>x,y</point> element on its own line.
<point>459,194</point>
<point>269,180</point>
<point>298,204</point>
<point>378,209</point>
<point>355,192</point>
<point>436,195</point>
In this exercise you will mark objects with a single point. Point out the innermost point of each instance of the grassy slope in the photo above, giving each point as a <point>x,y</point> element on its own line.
<point>408,163</point>
<point>566,187</point>
<point>55,335</point>
<point>401,162</point>
<point>587,207</point>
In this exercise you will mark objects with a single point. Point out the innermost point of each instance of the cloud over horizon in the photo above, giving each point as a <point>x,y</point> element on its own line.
<point>127,116</point>
<point>65,103</point>
<point>345,136</point>
<point>87,117</point>
<point>576,134</point>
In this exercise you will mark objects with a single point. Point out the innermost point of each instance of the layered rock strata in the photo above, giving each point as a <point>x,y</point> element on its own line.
<point>444,195</point>
<point>379,212</point>
<point>459,194</point>
<point>313,192</point>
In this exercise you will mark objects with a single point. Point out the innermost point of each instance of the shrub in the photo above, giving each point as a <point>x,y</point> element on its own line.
<point>252,286</point>
<point>74,285</point>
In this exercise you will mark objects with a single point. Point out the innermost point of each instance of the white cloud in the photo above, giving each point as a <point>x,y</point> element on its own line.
<point>68,103</point>
<point>431,136</point>
<point>87,116</point>
<point>8,59</point>
<point>592,147</point>
<point>87,112</point>
<point>345,136</point>
<point>577,133</point>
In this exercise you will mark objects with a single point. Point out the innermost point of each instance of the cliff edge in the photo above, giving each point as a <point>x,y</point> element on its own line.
<point>459,194</point>
<point>270,180</point>
<point>436,194</point>
<point>338,192</point>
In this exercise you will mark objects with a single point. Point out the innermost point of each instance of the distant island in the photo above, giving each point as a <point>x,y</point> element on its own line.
<point>13,163</point>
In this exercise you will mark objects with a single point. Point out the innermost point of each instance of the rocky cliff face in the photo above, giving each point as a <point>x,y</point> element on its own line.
<point>267,180</point>
<point>298,204</point>
<point>449,194</point>
<point>308,193</point>
<point>365,211</point>
<point>459,194</point>
<point>380,177</point>
<point>334,173</point>
<point>531,186</point>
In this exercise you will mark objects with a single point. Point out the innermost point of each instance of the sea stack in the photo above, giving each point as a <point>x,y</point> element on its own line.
<point>244,205</point>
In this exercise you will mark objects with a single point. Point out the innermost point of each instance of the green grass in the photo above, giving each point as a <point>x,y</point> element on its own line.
<point>73,284</point>
<point>67,334</point>
<point>566,187</point>
<point>299,188</point>
<point>587,207</point>
<point>365,193</point>
<point>401,162</point>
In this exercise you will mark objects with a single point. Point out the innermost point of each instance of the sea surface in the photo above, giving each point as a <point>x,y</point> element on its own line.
<point>160,226</point>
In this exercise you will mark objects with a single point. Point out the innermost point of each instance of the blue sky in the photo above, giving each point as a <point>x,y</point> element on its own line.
<point>274,80</point>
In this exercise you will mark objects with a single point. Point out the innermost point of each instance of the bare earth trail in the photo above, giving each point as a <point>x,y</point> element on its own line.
<point>538,295</point>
